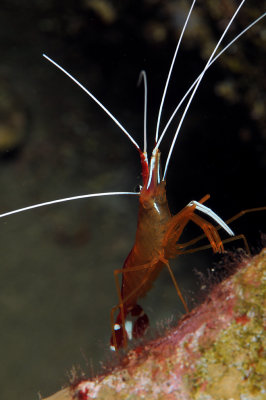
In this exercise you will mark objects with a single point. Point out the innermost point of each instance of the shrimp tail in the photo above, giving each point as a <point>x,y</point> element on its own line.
<point>123,330</point>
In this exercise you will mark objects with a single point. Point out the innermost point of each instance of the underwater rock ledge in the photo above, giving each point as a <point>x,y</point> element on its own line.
<point>215,352</point>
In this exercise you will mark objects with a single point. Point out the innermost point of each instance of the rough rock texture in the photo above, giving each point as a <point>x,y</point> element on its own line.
<point>215,352</point>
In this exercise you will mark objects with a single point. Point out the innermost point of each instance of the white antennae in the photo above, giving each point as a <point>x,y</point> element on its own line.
<point>170,72</point>
<point>197,85</point>
<point>48,203</point>
<point>143,76</point>
<point>196,80</point>
<point>95,99</point>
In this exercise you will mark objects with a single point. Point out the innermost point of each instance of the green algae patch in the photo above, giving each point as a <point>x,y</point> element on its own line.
<point>235,364</point>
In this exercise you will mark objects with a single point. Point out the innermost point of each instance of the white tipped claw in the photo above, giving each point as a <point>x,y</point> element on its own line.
<point>213,215</point>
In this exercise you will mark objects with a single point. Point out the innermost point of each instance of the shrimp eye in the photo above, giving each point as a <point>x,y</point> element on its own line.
<point>137,188</point>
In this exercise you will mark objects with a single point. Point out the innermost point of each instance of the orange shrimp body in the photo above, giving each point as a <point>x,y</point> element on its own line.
<point>153,216</point>
<point>156,242</point>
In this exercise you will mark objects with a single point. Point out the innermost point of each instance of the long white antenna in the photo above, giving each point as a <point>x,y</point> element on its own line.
<point>95,99</point>
<point>196,87</point>
<point>209,63</point>
<point>170,72</point>
<point>49,203</point>
<point>202,72</point>
<point>143,76</point>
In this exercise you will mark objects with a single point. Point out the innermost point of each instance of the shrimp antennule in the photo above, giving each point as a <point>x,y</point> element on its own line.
<point>196,87</point>
<point>203,72</point>
<point>170,71</point>
<point>95,99</point>
<point>143,76</point>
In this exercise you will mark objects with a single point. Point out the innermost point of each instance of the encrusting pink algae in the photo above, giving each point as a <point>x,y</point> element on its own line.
<point>215,352</point>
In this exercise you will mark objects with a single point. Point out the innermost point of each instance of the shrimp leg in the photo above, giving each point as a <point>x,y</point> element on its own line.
<point>127,305</point>
<point>209,246</point>
<point>119,332</point>
<point>176,227</point>
<point>230,220</point>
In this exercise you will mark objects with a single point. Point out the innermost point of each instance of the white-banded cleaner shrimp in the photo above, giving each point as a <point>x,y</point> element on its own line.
<point>189,184</point>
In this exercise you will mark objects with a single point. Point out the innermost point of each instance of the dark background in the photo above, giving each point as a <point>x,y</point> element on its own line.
<point>56,284</point>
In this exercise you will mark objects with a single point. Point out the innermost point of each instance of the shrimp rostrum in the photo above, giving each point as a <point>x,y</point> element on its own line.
<point>158,232</point>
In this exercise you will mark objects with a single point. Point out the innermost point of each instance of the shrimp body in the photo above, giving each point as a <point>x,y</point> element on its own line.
<point>153,217</point>
<point>143,263</point>
<point>156,242</point>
